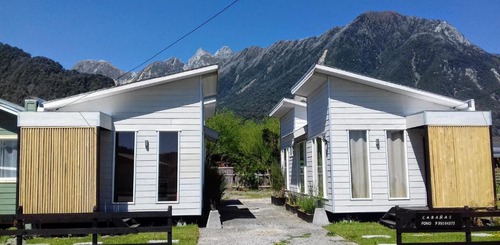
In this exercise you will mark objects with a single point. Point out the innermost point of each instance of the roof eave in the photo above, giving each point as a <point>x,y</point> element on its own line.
<point>298,88</point>
<point>55,104</point>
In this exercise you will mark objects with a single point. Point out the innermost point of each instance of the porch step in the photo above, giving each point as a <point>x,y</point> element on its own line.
<point>389,218</point>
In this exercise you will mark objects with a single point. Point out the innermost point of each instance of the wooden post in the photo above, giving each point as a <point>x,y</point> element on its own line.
<point>468,224</point>
<point>169,224</point>
<point>94,225</point>
<point>399,237</point>
<point>19,225</point>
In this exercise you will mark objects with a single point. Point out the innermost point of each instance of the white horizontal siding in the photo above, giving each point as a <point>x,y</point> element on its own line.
<point>286,128</point>
<point>359,107</point>
<point>173,106</point>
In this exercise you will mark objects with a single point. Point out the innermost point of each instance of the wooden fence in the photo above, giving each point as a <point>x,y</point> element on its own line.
<point>233,180</point>
<point>93,223</point>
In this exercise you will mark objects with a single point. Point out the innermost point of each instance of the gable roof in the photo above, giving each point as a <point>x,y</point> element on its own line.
<point>10,107</point>
<point>284,106</point>
<point>209,74</point>
<point>318,74</point>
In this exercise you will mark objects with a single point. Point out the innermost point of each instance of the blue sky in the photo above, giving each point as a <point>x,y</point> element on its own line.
<point>126,33</point>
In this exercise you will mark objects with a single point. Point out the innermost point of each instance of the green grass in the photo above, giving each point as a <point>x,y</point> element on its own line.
<point>354,231</point>
<point>283,242</point>
<point>247,194</point>
<point>187,235</point>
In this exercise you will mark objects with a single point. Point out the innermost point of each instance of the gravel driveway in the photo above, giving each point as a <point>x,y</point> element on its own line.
<point>257,221</point>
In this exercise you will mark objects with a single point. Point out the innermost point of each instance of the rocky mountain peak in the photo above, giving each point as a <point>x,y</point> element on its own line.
<point>200,58</point>
<point>451,32</point>
<point>224,52</point>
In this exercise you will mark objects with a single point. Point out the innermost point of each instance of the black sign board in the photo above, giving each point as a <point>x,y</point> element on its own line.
<point>438,221</point>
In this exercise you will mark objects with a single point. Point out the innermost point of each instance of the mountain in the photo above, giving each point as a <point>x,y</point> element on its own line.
<point>156,69</point>
<point>23,76</point>
<point>427,54</point>
<point>104,68</point>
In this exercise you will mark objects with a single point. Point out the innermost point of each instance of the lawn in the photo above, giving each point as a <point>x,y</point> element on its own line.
<point>187,235</point>
<point>353,231</point>
<point>247,194</point>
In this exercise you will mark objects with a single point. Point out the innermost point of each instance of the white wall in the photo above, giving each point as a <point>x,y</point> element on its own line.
<point>173,106</point>
<point>359,107</point>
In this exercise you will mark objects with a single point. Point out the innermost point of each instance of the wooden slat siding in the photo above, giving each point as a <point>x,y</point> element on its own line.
<point>58,170</point>
<point>359,107</point>
<point>147,111</point>
<point>461,168</point>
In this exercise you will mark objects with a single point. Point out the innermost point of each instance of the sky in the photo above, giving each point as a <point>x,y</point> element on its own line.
<point>127,33</point>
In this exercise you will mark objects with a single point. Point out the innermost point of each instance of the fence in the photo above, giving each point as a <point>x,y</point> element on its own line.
<point>100,224</point>
<point>233,180</point>
<point>442,220</point>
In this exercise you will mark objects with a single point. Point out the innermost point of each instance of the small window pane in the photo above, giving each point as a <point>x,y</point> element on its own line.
<point>360,178</point>
<point>8,158</point>
<point>124,167</point>
<point>302,164</point>
<point>319,161</point>
<point>167,166</point>
<point>398,180</point>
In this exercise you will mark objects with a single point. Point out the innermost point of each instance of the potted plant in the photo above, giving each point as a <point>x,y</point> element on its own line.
<point>291,203</point>
<point>277,185</point>
<point>307,206</point>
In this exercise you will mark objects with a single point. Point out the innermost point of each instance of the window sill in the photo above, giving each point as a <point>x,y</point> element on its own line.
<point>8,180</point>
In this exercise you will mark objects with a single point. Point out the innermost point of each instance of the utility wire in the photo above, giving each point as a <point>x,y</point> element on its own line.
<point>181,38</point>
<point>164,49</point>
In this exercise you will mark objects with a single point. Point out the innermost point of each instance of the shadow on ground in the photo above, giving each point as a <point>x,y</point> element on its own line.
<point>229,210</point>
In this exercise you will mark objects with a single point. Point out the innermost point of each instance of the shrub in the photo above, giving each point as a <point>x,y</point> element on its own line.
<point>308,204</point>
<point>277,180</point>
<point>213,188</point>
<point>292,198</point>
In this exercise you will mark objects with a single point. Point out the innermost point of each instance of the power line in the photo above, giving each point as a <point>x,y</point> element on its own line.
<point>181,38</point>
<point>164,49</point>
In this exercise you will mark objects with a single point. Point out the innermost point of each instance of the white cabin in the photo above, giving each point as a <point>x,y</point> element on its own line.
<point>142,147</point>
<point>371,145</point>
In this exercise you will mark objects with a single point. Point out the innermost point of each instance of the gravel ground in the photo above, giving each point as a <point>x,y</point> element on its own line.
<point>257,221</point>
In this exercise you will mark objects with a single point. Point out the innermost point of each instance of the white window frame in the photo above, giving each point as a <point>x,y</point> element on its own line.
<point>114,164</point>
<point>178,165</point>
<point>315,166</point>
<point>9,179</point>
<point>405,136</point>
<point>299,184</point>
<point>367,132</point>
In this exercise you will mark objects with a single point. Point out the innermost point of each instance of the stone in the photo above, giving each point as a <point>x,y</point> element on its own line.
<point>320,218</point>
<point>213,221</point>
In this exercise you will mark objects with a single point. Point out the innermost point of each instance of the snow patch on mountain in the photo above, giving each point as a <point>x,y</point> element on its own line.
<point>472,74</point>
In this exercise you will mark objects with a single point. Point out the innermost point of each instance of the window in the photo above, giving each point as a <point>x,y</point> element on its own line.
<point>302,165</point>
<point>358,153</point>
<point>168,165</point>
<point>320,167</point>
<point>123,188</point>
<point>8,159</point>
<point>398,176</point>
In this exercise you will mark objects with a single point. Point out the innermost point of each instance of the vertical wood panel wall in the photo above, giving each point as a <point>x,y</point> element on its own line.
<point>58,170</point>
<point>461,167</point>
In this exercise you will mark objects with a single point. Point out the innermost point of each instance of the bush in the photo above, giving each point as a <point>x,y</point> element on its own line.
<point>213,188</point>
<point>277,180</point>
<point>308,203</point>
<point>292,199</point>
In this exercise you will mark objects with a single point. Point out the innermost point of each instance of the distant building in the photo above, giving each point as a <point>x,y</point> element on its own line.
<point>8,155</point>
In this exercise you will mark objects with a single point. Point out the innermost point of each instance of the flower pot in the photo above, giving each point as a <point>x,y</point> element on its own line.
<point>278,201</point>
<point>305,216</point>
<point>291,209</point>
